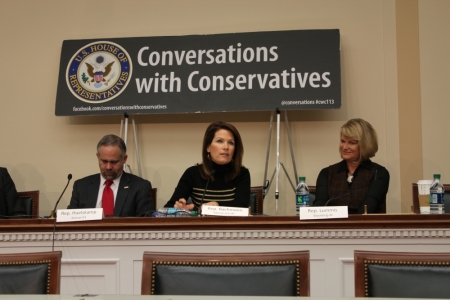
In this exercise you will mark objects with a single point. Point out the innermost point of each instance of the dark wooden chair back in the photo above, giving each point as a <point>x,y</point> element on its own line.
<point>154,194</point>
<point>30,273</point>
<point>402,274</point>
<point>312,194</point>
<point>415,198</point>
<point>249,274</point>
<point>256,200</point>
<point>30,201</point>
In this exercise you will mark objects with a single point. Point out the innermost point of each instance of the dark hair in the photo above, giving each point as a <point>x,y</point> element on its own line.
<point>113,140</point>
<point>236,162</point>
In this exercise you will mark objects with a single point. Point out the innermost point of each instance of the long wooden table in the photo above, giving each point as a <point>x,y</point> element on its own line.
<point>105,257</point>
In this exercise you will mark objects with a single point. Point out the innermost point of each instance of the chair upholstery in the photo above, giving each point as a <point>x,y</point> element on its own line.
<point>30,200</point>
<point>415,198</point>
<point>256,200</point>
<point>30,273</point>
<point>249,274</point>
<point>402,274</point>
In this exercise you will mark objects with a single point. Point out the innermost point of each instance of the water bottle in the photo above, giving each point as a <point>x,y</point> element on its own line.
<point>301,195</point>
<point>437,195</point>
<point>174,212</point>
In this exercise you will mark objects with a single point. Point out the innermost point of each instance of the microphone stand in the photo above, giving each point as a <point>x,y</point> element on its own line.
<point>52,214</point>
<point>334,198</point>
<point>204,193</point>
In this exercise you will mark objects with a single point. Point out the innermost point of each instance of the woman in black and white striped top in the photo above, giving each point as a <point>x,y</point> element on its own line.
<point>229,180</point>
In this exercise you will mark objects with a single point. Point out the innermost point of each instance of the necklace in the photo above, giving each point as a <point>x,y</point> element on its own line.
<point>350,177</point>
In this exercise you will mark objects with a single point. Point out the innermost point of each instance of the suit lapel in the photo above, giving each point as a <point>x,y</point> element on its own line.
<point>93,191</point>
<point>122,194</point>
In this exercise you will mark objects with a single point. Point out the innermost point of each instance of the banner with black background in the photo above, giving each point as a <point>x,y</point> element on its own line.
<point>257,71</point>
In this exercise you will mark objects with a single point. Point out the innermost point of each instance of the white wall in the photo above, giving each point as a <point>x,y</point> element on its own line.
<point>40,149</point>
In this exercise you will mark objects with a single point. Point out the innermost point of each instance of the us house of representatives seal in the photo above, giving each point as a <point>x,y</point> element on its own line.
<point>99,72</point>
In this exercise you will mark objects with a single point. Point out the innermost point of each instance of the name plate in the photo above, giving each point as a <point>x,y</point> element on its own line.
<point>224,211</point>
<point>80,214</point>
<point>323,212</point>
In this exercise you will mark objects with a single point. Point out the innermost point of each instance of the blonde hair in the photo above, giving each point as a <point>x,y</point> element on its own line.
<point>364,133</point>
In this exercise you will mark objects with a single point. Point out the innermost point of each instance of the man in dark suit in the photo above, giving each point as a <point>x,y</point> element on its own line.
<point>132,194</point>
<point>10,204</point>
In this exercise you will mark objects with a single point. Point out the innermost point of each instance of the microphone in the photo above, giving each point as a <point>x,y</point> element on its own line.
<point>351,191</point>
<point>53,212</point>
<point>204,193</point>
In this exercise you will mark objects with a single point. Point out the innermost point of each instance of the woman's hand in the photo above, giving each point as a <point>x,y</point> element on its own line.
<point>212,203</point>
<point>183,205</point>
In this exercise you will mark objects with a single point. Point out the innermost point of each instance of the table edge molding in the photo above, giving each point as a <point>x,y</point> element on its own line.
<point>228,235</point>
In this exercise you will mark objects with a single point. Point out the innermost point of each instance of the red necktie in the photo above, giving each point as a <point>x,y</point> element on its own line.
<point>108,199</point>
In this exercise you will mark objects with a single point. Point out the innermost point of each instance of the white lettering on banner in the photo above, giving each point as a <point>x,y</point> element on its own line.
<point>140,61</point>
<point>242,82</point>
<point>274,83</point>
<point>190,81</point>
<point>191,57</point>
<point>146,85</point>
<point>222,57</point>
<point>120,107</point>
<point>153,59</point>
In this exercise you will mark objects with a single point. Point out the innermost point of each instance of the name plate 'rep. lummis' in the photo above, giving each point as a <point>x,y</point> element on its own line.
<point>323,212</point>
<point>256,71</point>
